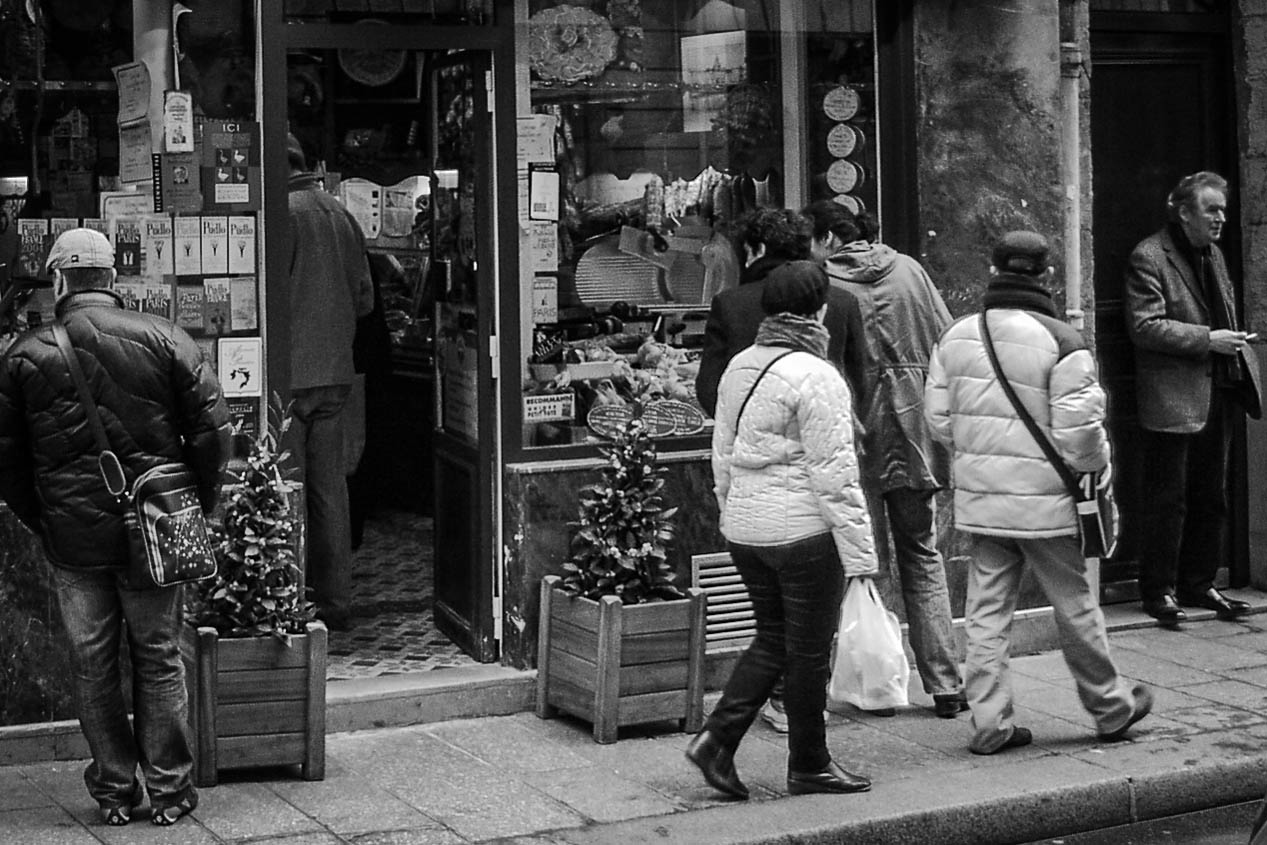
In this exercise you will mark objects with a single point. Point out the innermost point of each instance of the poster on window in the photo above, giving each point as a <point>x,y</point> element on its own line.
<point>711,63</point>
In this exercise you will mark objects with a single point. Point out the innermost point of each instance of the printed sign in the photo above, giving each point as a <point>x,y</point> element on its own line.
<point>550,407</point>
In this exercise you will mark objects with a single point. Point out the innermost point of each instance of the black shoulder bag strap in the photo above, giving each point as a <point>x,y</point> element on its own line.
<point>757,381</point>
<point>107,461</point>
<point>1066,475</point>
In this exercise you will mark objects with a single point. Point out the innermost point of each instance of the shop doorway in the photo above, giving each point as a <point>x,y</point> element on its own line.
<point>403,134</point>
<point>1160,108</point>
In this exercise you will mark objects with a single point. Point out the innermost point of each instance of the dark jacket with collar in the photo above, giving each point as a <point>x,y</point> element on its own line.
<point>158,399</point>
<point>732,327</point>
<point>1168,319</point>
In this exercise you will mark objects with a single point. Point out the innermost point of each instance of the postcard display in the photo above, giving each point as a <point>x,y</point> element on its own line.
<point>185,238</point>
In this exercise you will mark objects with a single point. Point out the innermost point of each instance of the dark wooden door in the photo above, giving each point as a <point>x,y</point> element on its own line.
<point>1160,109</point>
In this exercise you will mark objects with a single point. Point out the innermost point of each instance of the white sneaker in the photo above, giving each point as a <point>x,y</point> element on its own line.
<point>775,715</point>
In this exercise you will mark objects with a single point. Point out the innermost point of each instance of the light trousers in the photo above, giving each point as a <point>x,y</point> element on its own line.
<point>994,579</point>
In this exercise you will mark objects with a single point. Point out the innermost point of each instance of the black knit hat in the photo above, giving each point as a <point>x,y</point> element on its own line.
<point>798,287</point>
<point>295,152</point>
<point>1021,252</point>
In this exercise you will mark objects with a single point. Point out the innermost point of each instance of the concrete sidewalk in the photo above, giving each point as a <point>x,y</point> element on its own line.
<point>520,779</point>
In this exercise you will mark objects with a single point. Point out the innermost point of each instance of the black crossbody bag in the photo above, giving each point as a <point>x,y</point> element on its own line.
<point>168,541</point>
<point>1092,492</point>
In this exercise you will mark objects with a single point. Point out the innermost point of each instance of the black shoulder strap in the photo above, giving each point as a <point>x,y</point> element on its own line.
<point>107,461</point>
<point>757,381</point>
<point>1066,475</point>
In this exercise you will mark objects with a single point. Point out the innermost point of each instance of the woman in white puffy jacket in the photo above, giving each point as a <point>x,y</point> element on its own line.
<point>796,522</point>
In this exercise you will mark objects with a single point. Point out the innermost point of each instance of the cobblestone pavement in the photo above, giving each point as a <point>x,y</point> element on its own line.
<point>525,780</point>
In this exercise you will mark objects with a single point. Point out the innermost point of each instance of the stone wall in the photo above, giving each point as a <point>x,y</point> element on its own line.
<point>1250,195</point>
<point>989,148</point>
<point>34,664</point>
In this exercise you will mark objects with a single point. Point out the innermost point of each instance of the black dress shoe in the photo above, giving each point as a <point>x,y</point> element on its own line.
<point>717,763</point>
<point>949,705</point>
<point>1212,599</point>
<point>831,779</point>
<point>1165,610</point>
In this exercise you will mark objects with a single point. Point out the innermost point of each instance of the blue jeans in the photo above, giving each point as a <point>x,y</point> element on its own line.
<point>318,432</point>
<point>795,591</point>
<point>95,604</point>
<point>912,519</point>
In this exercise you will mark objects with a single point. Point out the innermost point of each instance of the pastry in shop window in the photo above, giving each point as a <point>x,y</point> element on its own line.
<point>569,43</point>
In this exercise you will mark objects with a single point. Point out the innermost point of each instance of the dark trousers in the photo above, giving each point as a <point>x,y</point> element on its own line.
<point>795,591</point>
<point>1184,520</point>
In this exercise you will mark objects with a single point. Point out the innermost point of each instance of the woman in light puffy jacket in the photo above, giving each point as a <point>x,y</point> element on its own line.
<point>797,525</point>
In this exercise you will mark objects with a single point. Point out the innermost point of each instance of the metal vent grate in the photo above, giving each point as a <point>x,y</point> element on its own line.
<point>730,622</point>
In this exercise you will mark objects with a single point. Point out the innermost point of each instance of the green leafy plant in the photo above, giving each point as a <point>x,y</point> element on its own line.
<point>258,588</point>
<point>619,545</point>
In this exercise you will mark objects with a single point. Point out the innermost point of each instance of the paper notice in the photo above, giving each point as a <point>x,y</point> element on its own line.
<point>241,373</point>
<point>135,161</point>
<point>543,246</point>
<point>543,195</point>
<point>178,121</point>
<point>133,82</point>
<point>545,299</point>
<point>156,248</point>
<point>215,245</point>
<point>536,139</point>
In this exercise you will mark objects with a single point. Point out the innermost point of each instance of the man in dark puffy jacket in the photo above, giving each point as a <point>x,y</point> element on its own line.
<point>160,402</point>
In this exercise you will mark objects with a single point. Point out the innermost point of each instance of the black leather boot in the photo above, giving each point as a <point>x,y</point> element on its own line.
<point>717,763</point>
<point>831,779</point>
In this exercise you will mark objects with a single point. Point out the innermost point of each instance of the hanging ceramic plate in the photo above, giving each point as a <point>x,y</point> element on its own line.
<point>569,43</point>
<point>842,140</point>
<point>841,103</point>
<point>373,67</point>
<point>855,205</point>
<point>843,176</point>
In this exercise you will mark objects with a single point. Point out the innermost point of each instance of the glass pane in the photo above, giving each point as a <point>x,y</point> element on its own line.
<point>454,246</point>
<point>664,124</point>
<point>470,12</point>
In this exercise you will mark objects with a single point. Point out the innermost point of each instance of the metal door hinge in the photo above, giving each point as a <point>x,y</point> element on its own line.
<point>488,89</point>
<point>495,353</point>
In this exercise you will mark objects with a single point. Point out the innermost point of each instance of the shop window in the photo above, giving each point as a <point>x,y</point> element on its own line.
<point>435,12</point>
<point>652,129</point>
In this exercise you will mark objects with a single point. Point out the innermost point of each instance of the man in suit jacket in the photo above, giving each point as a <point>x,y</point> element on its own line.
<point>772,237</point>
<point>1181,316</point>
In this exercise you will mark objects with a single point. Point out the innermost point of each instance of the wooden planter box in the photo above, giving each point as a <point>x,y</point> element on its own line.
<point>614,664</point>
<point>255,702</point>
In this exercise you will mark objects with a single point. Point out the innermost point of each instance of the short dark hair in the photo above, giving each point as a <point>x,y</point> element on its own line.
<point>1184,194</point>
<point>88,278</point>
<point>295,153</point>
<point>797,287</point>
<point>830,216</point>
<point>785,233</point>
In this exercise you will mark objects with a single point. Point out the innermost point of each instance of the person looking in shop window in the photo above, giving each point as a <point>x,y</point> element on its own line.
<point>159,402</point>
<point>770,238</point>
<point>1181,317</point>
<point>903,467</point>
<point>796,525</point>
<point>1011,501</point>
<point>330,288</point>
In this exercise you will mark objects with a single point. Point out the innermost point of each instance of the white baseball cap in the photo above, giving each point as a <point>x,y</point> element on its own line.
<point>80,248</point>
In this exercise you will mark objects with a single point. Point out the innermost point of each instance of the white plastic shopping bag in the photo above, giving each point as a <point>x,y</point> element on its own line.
<point>871,671</point>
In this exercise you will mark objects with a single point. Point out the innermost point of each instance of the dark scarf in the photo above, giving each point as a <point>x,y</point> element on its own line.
<point>1225,369</point>
<point>1016,290</point>
<point>793,331</point>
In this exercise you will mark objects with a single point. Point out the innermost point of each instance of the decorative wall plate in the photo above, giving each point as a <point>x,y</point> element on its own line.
<point>843,176</point>
<point>842,140</point>
<point>841,103</point>
<point>569,43</point>
<point>855,205</point>
<point>373,67</point>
